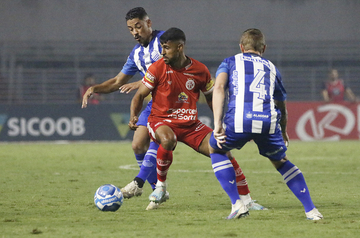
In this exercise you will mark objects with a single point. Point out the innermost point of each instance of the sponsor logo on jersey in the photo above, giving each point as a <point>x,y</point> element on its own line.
<point>190,84</point>
<point>183,114</point>
<point>182,97</point>
<point>149,77</point>
<point>256,116</point>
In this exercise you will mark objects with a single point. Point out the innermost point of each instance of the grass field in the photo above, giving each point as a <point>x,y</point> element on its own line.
<point>46,190</point>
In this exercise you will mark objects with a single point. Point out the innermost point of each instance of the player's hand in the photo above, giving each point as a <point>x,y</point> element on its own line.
<point>132,123</point>
<point>86,97</point>
<point>219,135</point>
<point>286,139</point>
<point>127,88</point>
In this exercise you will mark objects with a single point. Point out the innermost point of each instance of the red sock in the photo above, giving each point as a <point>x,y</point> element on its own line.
<point>164,159</point>
<point>241,182</point>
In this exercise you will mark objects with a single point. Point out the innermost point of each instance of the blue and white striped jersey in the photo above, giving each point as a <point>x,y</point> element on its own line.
<point>142,57</point>
<point>253,84</point>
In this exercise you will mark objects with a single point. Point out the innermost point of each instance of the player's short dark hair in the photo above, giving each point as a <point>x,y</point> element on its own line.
<point>137,12</point>
<point>253,39</point>
<point>173,34</point>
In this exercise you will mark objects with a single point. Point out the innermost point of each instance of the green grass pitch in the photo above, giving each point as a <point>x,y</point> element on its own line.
<point>46,190</point>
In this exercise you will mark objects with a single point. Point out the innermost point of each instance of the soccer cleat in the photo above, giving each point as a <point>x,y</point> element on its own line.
<point>314,214</point>
<point>158,194</point>
<point>132,189</point>
<point>253,206</point>
<point>238,210</point>
<point>153,205</point>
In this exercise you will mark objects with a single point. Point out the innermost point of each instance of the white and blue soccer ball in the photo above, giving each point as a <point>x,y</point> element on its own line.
<point>108,198</point>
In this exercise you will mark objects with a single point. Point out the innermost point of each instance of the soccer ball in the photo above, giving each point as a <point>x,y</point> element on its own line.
<point>108,198</point>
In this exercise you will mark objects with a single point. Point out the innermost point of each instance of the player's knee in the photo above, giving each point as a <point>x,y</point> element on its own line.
<point>278,163</point>
<point>168,142</point>
<point>139,148</point>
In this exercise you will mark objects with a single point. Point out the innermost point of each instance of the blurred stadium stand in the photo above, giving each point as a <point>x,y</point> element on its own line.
<point>50,72</point>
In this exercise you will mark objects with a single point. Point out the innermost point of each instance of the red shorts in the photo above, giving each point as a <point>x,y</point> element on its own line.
<point>191,135</point>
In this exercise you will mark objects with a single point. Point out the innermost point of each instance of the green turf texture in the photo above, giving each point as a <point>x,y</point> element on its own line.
<point>47,189</point>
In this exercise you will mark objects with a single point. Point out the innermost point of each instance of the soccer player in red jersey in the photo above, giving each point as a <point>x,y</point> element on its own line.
<point>175,83</point>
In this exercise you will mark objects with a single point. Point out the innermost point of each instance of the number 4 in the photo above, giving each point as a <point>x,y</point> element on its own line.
<point>258,85</point>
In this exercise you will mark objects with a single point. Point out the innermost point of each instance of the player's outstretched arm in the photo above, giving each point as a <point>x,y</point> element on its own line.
<point>136,105</point>
<point>127,88</point>
<point>108,86</point>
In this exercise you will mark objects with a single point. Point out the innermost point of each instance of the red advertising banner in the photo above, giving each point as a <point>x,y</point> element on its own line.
<point>309,121</point>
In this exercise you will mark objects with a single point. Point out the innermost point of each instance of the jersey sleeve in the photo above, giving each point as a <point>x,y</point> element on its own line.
<point>279,92</point>
<point>209,86</point>
<point>130,67</point>
<point>223,68</point>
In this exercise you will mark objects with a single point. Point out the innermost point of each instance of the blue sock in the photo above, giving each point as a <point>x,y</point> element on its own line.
<point>139,159</point>
<point>148,168</point>
<point>225,174</point>
<point>296,182</point>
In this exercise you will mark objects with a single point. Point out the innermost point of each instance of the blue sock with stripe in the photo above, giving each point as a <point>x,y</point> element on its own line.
<point>148,167</point>
<point>296,182</point>
<point>139,158</point>
<point>225,174</point>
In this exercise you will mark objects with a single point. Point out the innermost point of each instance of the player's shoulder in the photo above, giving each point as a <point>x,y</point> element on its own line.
<point>157,66</point>
<point>198,65</point>
<point>158,33</point>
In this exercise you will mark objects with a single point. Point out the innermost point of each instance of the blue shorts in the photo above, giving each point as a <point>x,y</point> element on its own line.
<point>271,146</point>
<point>143,118</point>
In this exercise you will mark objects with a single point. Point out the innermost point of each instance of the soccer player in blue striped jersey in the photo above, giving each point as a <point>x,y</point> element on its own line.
<point>146,52</point>
<point>256,111</point>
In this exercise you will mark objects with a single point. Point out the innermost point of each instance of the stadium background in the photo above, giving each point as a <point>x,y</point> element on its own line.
<point>48,46</point>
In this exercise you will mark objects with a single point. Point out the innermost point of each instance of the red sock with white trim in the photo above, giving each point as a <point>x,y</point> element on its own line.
<point>164,159</point>
<point>241,182</point>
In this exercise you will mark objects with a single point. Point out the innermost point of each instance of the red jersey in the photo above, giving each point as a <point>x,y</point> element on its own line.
<point>336,90</point>
<point>175,92</point>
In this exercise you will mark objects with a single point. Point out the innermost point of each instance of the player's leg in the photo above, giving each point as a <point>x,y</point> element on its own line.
<point>241,183</point>
<point>145,156</point>
<point>147,172</point>
<point>225,174</point>
<point>273,147</point>
<point>166,137</point>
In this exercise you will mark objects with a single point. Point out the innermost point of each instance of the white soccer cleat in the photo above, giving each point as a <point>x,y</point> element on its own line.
<point>314,215</point>
<point>238,210</point>
<point>132,189</point>
<point>253,206</point>
<point>153,205</point>
<point>158,194</point>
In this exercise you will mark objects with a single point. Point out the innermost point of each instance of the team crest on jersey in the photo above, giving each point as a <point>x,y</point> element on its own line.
<point>149,77</point>
<point>249,115</point>
<point>183,97</point>
<point>190,84</point>
<point>155,56</point>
